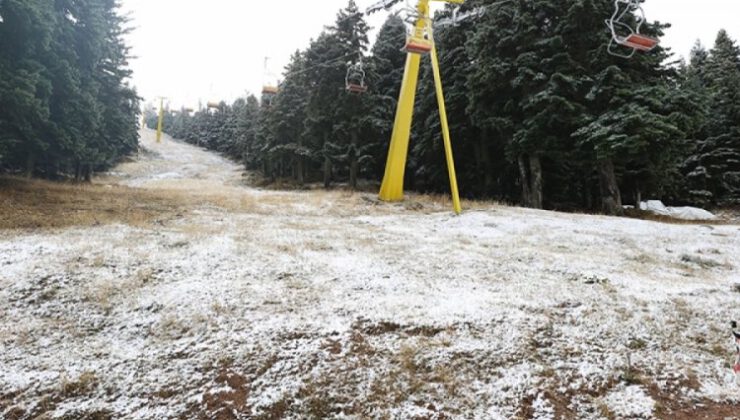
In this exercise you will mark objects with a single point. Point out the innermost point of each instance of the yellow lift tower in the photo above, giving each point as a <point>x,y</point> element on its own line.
<point>160,120</point>
<point>420,42</point>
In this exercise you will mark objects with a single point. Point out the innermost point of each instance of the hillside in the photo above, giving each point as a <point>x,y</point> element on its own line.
<point>171,288</point>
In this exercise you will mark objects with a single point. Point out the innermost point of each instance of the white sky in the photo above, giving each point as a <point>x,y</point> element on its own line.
<point>191,50</point>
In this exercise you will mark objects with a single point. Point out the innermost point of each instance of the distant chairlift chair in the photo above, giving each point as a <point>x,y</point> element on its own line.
<point>624,34</point>
<point>355,79</point>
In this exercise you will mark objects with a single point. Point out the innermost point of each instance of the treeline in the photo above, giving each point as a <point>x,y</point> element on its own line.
<point>540,113</point>
<point>66,108</point>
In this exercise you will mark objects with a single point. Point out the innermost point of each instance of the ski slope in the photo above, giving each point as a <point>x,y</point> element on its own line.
<point>265,304</point>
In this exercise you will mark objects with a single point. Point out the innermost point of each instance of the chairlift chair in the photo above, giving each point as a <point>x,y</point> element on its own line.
<point>419,40</point>
<point>355,79</point>
<point>419,36</point>
<point>624,34</point>
<point>270,83</point>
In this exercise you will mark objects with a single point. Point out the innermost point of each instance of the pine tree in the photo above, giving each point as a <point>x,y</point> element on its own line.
<point>534,77</point>
<point>335,120</point>
<point>64,105</point>
<point>386,66</point>
<point>351,117</point>
<point>719,157</point>
<point>626,117</point>
<point>288,116</point>
<point>25,88</point>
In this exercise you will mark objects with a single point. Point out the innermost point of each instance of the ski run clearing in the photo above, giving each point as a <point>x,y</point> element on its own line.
<point>247,303</point>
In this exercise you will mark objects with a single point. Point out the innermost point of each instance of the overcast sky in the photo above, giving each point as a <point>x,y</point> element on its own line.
<point>191,51</point>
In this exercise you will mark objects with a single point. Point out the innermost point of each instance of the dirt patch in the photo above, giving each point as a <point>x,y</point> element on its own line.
<point>228,401</point>
<point>703,410</point>
<point>670,407</point>
<point>35,204</point>
<point>384,327</point>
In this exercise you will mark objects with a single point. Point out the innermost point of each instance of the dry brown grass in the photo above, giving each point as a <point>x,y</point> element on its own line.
<point>37,204</point>
<point>33,204</point>
<point>83,385</point>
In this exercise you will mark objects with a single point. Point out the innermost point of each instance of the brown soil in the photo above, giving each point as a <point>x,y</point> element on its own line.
<point>704,410</point>
<point>671,408</point>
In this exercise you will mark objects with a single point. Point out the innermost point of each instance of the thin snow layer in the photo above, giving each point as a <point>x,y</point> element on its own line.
<point>682,213</point>
<point>630,402</point>
<point>498,313</point>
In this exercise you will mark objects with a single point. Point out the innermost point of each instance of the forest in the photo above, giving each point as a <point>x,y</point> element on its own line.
<point>66,107</point>
<point>540,113</point>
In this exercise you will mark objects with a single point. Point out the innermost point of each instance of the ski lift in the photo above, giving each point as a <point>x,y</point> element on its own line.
<point>419,36</point>
<point>355,79</point>
<point>269,85</point>
<point>419,39</point>
<point>625,35</point>
<point>418,42</point>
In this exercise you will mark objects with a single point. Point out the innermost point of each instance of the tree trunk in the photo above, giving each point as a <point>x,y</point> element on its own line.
<point>299,171</point>
<point>88,173</point>
<point>587,198</point>
<point>535,169</point>
<point>30,165</point>
<point>267,169</point>
<point>485,163</point>
<point>327,172</point>
<point>354,165</point>
<point>354,170</point>
<point>524,175</point>
<point>611,199</point>
<point>638,195</point>
<point>78,171</point>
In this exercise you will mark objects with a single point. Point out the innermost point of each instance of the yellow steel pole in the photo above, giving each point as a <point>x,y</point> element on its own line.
<point>445,131</point>
<point>395,168</point>
<point>160,120</point>
<point>392,187</point>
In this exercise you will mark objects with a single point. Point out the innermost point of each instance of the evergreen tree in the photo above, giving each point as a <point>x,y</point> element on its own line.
<point>65,108</point>
<point>721,154</point>
<point>537,107</point>
<point>25,88</point>
<point>386,66</point>
<point>288,116</point>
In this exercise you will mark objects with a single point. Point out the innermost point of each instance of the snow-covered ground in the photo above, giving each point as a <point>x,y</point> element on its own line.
<point>259,304</point>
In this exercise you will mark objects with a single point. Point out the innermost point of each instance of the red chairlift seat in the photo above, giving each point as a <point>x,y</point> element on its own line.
<point>640,42</point>
<point>355,79</point>
<point>418,46</point>
<point>625,25</point>
<point>356,88</point>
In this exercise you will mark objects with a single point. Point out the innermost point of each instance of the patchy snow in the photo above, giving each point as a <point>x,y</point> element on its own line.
<point>308,303</point>
<point>630,402</point>
<point>682,213</point>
